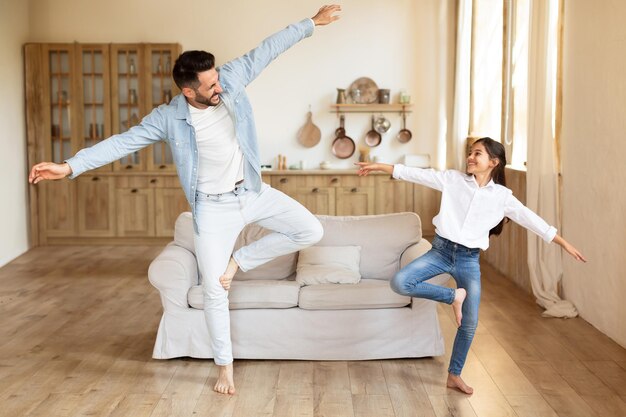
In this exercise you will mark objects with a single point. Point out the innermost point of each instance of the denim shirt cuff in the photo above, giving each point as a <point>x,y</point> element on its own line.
<point>308,31</point>
<point>74,166</point>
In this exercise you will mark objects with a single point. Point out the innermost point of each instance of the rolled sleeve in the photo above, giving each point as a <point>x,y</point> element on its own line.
<point>247,67</point>
<point>149,131</point>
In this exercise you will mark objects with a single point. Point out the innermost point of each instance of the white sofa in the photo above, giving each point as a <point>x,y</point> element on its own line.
<point>272,317</point>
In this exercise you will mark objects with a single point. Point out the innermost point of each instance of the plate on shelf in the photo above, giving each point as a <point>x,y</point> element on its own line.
<point>368,91</point>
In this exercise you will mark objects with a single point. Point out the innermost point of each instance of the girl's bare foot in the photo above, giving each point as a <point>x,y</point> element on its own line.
<point>225,384</point>
<point>455,381</point>
<point>457,304</point>
<point>227,277</point>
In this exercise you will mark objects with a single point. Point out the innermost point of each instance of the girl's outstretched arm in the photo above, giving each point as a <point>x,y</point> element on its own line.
<point>367,167</point>
<point>569,248</point>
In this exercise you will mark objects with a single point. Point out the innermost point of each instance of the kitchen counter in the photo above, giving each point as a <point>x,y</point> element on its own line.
<point>315,172</point>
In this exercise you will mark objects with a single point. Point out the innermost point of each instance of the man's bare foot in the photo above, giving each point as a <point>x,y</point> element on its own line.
<point>457,304</point>
<point>225,384</point>
<point>455,381</point>
<point>227,277</point>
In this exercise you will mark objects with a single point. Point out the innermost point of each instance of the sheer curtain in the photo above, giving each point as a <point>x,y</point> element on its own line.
<point>542,191</point>
<point>460,118</point>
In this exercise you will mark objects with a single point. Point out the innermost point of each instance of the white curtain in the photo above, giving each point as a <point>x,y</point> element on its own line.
<point>460,118</point>
<point>542,192</point>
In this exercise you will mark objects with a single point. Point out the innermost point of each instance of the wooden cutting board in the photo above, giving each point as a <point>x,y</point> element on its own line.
<point>309,135</point>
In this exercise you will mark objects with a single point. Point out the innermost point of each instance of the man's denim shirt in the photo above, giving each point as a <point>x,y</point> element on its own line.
<point>172,122</point>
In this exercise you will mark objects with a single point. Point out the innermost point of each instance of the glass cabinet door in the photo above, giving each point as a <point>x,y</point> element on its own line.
<point>128,98</point>
<point>60,62</point>
<point>160,61</point>
<point>57,198</point>
<point>95,120</point>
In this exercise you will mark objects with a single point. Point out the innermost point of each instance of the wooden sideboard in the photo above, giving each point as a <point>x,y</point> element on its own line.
<point>343,193</point>
<point>135,208</point>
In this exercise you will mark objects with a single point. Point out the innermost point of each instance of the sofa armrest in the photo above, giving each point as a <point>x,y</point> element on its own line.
<point>173,272</point>
<point>414,251</point>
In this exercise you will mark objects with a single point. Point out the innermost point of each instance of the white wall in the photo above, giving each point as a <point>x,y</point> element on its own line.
<point>13,170</point>
<point>398,44</point>
<point>593,154</point>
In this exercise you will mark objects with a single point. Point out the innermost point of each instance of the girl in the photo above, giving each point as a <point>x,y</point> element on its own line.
<point>473,207</point>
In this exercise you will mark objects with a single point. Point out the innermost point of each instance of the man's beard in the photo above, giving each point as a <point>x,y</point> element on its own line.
<point>206,101</point>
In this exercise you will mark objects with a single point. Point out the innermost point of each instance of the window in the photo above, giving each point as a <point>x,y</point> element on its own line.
<point>498,105</point>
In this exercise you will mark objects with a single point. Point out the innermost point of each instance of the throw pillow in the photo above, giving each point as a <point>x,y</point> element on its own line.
<point>329,265</point>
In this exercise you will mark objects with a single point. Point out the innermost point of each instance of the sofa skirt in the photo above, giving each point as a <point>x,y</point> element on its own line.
<point>294,333</point>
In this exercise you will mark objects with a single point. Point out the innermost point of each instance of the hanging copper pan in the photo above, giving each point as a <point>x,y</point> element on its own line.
<point>373,138</point>
<point>343,146</point>
<point>405,134</point>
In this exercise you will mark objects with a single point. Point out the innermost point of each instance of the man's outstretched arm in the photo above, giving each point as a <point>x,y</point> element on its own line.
<point>246,68</point>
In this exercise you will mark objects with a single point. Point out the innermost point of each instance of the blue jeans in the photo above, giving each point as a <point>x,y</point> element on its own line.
<point>460,262</point>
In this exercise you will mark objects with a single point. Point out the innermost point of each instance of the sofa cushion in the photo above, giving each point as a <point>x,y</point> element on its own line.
<point>253,294</point>
<point>329,265</point>
<point>280,268</point>
<point>382,238</point>
<point>367,294</point>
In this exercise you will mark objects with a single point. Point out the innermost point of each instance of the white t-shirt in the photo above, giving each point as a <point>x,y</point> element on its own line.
<point>220,163</point>
<point>468,212</point>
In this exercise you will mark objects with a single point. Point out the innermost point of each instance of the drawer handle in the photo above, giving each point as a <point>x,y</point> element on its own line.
<point>334,180</point>
<point>95,179</point>
<point>284,180</point>
<point>134,190</point>
<point>129,167</point>
<point>315,190</point>
<point>153,181</point>
<point>354,190</point>
<point>162,166</point>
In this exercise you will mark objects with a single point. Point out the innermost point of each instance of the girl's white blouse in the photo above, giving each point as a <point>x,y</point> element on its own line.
<point>468,212</point>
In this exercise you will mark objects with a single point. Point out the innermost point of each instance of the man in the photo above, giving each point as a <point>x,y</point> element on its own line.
<point>210,129</point>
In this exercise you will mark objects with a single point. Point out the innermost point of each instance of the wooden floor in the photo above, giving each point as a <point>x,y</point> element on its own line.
<point>77,327</point>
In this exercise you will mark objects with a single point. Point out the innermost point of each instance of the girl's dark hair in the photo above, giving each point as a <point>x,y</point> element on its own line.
<point>188,65</point>
<point>496,151</point>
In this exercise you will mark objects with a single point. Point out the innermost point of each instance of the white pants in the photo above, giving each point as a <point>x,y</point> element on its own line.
<point>220,219</point>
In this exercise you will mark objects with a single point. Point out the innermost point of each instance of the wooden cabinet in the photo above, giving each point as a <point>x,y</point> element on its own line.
<point>393,196</point>
<point>339,195</point>
<point>148,205</point>
<point>76,96</point>
<point>168,204</point>
<point>135,212</point>
<point>58,209</point>
<point>345,194</point>
<point>96,206</point>
<point>355,201</point>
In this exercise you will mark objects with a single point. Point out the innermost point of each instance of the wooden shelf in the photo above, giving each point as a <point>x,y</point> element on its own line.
<point>370,108</point>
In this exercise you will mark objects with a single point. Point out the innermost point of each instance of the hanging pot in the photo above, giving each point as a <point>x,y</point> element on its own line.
<point>373,138</point>
<point>343,147</point>
<point>382,125</point>
<point>405,134</point>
